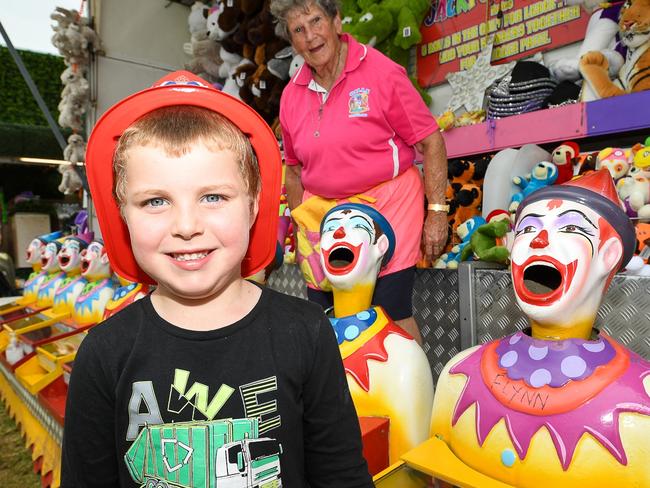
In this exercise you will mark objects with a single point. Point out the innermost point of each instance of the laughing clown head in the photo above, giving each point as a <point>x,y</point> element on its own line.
<point>70,254</point>
<point>570,240</point>
<point>94,262</point>
<point>356,241</point>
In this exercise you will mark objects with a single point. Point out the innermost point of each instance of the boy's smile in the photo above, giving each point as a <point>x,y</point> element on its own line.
<point>189,218</point>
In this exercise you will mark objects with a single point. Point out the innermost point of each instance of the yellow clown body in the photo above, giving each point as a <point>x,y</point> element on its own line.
<point>389,376</point>
<point>388,372</point>
<point>560,404</point>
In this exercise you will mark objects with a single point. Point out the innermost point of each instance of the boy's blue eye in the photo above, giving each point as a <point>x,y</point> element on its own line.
<point>156,202</point>
<point>213,198</point>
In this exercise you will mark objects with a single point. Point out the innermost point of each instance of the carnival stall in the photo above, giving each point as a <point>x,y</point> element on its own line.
<point>542,106</point>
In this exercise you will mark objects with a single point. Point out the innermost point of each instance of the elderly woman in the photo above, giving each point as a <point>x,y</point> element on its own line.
<point>351,122</point>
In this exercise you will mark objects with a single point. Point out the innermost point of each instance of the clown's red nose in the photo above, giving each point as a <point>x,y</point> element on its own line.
<point>540,241</point>
<point>339,233</point>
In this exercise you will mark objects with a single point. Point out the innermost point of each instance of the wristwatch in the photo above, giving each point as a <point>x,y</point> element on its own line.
<point>438,207</point>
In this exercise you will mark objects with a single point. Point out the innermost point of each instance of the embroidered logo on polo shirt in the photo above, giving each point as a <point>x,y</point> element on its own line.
<point>358,105</point>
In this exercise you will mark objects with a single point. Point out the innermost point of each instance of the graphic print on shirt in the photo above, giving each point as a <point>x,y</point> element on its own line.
<point>204,452</point>
<point>359,104</point>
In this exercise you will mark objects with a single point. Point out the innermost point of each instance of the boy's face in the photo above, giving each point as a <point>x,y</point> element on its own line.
<point>189,219</point>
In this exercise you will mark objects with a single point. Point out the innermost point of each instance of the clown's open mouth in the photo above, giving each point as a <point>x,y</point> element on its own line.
<point>542,278</point>
<point>341,258</point>
<point>85,264</point>
<point>64,260</point>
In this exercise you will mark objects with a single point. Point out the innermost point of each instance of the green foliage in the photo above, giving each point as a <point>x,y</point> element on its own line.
<point>32,141</point>
<point>17,105</point>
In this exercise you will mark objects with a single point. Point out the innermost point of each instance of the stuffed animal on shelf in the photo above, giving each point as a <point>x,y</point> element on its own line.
<point>75,151</point>
<point>487,242</point>
<point>615,160</point>
<point>543,174</point>
<point>223,20</point>
<point>587,163</point>
<point>464,231</point>
<point>70,180</point>
<point>640,155</point>
<point>633,23</point>
<point>600,35</point>
<point>564,158</point>
<point>634,191</point>
<point>373,26</point>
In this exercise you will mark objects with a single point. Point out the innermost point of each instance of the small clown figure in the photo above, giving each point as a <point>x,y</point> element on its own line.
<point>53,273</point>
<point>33,256</point>
<point>560,404</point>
<point>70,263</point>
<point>388,373</point>
<point>96,270</point>
<point>127,293</point>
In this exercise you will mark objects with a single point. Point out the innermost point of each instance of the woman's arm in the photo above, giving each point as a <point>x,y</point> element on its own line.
<point>434,234</point>
<point>293,184</point>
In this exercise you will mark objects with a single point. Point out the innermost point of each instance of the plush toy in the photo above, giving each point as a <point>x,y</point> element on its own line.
<point>70,181</point>
<point>588,163</point>
<point>616,161</point>
<point>197,21</point>
<point>231,87</point>
<point>468,199</point>
<point>267,90</point>
<point>75,151</point>
<point>465,231</point>
<point>637,267</point>
<point>243,75</point>
<point>223,19</point>
<point>600,35</point>
<point>373,26</point>
<point>76,89</point>
<point>205,60</point>
<point>634,191</point>
<point>641,155</point>
<point>261,29</point>
<point>543,174</point>
<point>485,244</point>
<point>564,157</point>
<point>73,37</point>
<point>71,115</point>
<point>409,15</point>
<point>633,25</point>
<point>75,40</point>
<point>464,192</point>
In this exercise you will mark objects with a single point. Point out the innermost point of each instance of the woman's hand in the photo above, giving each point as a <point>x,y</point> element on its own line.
<point>434,236</point>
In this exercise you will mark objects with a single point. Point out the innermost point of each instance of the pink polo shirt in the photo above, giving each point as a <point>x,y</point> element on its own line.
<point>365,131</point>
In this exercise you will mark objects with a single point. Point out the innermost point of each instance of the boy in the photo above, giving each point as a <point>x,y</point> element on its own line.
<point>248,383</point>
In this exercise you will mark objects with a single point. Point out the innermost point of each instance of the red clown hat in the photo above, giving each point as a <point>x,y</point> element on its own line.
<point>595,190</point>
<point>181,88</point>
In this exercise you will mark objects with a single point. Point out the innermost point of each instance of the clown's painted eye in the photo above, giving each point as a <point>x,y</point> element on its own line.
<point>527,229</point>
<point>576,229</point>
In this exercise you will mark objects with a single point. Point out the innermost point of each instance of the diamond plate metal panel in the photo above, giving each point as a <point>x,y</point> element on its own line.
<point>624,314</point>
<point>288,279</point>
<point>435,308</point>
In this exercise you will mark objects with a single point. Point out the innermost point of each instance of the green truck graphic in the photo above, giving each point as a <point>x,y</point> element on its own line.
<point>217,454</point>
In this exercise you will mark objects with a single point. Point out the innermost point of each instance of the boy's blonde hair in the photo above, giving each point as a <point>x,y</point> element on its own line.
<point>175,129</point>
